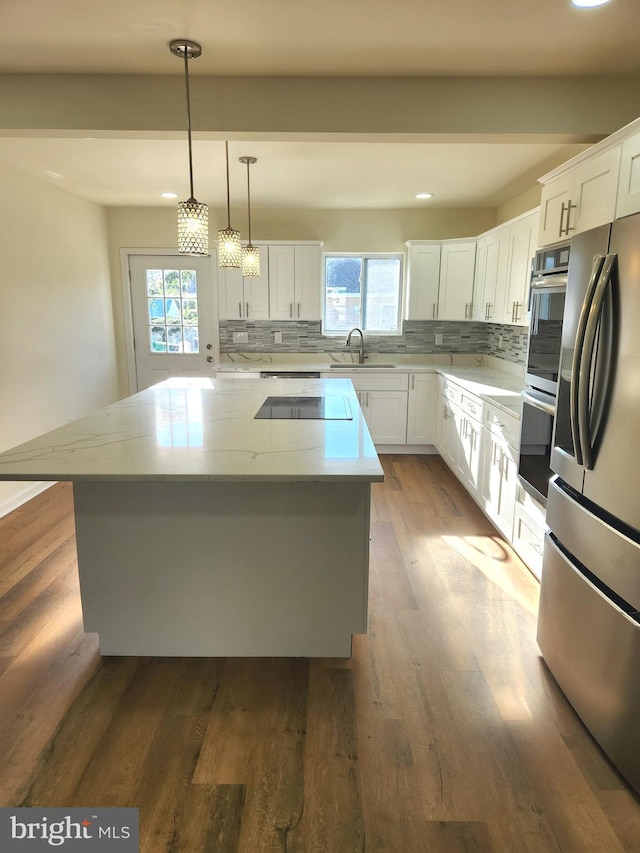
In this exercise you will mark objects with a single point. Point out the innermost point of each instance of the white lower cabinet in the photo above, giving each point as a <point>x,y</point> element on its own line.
<point>499,483</point>
<point>386,415</point>
<point>383,400</point>
<point>479,442</point>
<point>421,409</point>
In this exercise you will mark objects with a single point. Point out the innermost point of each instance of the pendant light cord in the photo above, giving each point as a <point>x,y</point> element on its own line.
<point>226,148</point>
<point>249,202</point>
<point>186,77</point>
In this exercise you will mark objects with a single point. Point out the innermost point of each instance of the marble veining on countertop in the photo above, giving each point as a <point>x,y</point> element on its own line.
<point>203,429</point>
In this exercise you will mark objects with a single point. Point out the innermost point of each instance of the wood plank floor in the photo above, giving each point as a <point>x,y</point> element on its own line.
<point>444,732</point>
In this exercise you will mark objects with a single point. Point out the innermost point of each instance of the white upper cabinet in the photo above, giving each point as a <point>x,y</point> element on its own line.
<point>580,198</point>
<point>423,280</point>
<point>523,241</point>
<point>244,298</point>
<point>489,303</point>
<point>457,267</point>
<point>629,182</point>
<point>294,282</point>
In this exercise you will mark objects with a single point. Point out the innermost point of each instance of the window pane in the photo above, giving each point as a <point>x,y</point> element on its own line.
<point>343,293</point>
<point>156,310</point>
<point>172,283</point>
<point>188,281</point>
<point>158,339</point>
<point>382,276</point>
<point>191,342</point>
<point>189,311</point>
<point>174,338</point>
<point>172,308</point>
<point>154,282</point>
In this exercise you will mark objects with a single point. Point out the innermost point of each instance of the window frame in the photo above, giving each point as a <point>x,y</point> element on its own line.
<point>400,256</point>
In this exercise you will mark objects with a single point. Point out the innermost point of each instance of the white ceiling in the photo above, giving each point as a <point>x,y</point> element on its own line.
<point>283,37</point>
<point>328,38</point>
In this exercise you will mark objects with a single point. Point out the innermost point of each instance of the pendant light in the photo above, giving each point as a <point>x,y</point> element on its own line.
<point>193,217</point>
<point>229,245</point>
<point>250,253</point>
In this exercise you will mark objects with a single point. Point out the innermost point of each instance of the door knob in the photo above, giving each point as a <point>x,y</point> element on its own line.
<point>209,358</point>
<point>209,346</point>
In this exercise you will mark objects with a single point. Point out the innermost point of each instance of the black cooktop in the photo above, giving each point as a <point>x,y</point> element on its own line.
<point>305,408</point>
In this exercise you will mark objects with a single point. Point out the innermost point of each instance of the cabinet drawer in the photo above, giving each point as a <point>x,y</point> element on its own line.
<point>471,405</point>
<point>451,392</point>
<point>502,425</point>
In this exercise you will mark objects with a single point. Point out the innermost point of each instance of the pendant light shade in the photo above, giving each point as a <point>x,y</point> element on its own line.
<point>229,245</point>
<point>250,253</point>
<point>193,217</point>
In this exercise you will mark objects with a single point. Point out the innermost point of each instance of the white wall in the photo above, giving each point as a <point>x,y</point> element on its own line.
<point>58,358</point>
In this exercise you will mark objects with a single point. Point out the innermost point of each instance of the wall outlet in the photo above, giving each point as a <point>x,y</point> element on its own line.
<point>500,337</point>
<point>277,337</point>
<point>438,339</point>
<point>241,337</point>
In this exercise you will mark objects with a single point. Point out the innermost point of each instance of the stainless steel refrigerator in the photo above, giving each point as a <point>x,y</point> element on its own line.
<point>589,618</point>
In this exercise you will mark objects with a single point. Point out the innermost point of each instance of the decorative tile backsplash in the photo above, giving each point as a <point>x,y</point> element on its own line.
<point>417,337</point>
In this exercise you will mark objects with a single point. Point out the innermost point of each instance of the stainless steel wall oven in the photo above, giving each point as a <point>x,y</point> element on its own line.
<point>539,396</point>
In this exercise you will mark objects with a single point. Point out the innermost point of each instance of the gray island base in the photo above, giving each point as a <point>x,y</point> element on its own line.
<point>204,532</point>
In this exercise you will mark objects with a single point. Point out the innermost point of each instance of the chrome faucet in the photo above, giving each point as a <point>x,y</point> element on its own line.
<point>361,355</point>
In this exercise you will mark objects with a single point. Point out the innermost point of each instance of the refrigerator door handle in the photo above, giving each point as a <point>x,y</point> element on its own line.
<point>588,347</point>
<point>596,269</point>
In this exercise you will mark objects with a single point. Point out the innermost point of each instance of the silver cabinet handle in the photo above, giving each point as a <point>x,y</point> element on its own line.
<point>298,309</point>
<point>466,309</point>
<point>247,310</point>
<point>517,311</point>
<point>566,208</point>
<point>290,310</point>
<point>239,309</point>
<point>367,399</point>
<point>413,382</point>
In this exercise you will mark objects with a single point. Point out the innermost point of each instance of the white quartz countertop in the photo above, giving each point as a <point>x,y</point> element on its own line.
<point>203,429</point>
<point>498,387</point>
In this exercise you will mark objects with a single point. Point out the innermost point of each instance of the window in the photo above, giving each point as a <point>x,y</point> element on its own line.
<point>363,291</point>
<point>172,305</point>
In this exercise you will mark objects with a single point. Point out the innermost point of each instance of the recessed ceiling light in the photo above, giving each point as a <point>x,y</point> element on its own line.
<point>169,195</point>
<point>424,195</point>
<point>588,3</point>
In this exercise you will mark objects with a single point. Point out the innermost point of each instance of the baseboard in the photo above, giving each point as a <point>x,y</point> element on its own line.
<point>25,495</point>
<point>419,449</point>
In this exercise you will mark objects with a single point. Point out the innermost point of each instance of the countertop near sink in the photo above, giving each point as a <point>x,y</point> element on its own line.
<point>500,387</point>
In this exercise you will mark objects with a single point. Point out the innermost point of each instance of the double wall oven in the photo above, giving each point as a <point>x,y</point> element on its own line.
<point>540,392</point>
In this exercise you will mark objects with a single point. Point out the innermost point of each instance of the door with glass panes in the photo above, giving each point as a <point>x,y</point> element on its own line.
<point>174,317</point>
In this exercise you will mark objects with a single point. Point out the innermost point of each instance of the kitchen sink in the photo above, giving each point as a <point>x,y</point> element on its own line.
<point>360,366</point>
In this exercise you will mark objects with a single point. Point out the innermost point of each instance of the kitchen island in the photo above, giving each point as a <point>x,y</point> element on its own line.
<point>203,531</point>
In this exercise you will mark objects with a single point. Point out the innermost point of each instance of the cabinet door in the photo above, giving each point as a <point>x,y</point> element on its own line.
<point>424,277</point>
<point>495,276</point>
<point>307,283</point>
<point>522,246</point>
<point>445,430</point>
<point>231,303</point>
<point>491,474</point>
<point>457,266</point>
<point>468,460</point>
<point>505,510</point>
<point>479,305</point>
<point>256,290</point>
<point>554,201</point>
<point>386,416</point>
<point>595,190</point>
<point>628,200</point>
<point>281,282</point>
<point>421,409</point>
